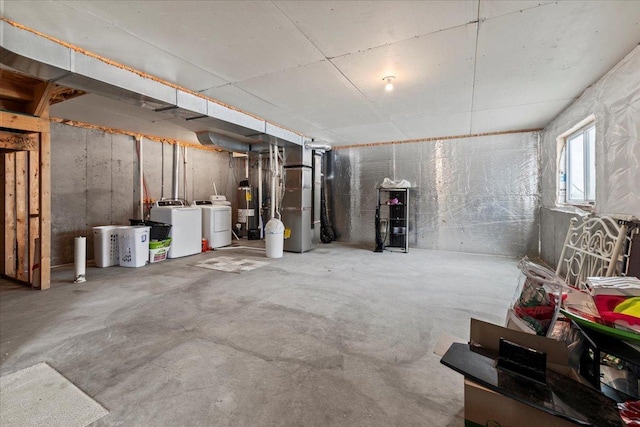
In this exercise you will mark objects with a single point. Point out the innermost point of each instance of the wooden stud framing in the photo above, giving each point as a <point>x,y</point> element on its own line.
<point>25,156</point>
<point>22,256</point>
<point>45,210</point>
<point>18,142</point>
<point>9,260</point>
<point>23,122</point>
<point>41,94</point>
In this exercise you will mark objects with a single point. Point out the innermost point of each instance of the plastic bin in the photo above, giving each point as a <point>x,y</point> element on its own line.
<point>274,238</point>
<point>133,245</point>
<point>157,244</point>
<point>105,245</point>
<point>159,249</point>
<point>159,230</point>
<point>158,254</point>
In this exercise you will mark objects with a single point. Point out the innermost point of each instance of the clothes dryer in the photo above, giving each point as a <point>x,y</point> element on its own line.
<point>186,226</point>
<point>216,223</point>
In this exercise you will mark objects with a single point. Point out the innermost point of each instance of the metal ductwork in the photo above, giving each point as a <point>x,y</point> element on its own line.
<point>223,142</point>
<point>228,128</point>
<point>317,146</point>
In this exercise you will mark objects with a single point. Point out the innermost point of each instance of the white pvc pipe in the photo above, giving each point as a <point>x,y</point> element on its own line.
<point>259,204</point>
<point>176,166</point>
<point>184,172</point>
<point>140,176</point>
<point>273,182</point>
<point>80,259</point>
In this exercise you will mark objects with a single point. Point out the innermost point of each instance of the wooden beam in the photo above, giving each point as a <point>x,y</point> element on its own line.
<point>23,122</point>
<point>45,209</point>
<point>34,209</point>
<point>3,207</point>
<point>18,141</point>
<point>42,93</point>
<point>18,107</point>
<point>9,220</point>
<point>22,236</point>
<point>16,91</point>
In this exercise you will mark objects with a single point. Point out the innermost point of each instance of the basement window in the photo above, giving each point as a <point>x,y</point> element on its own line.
<point>577,165</point>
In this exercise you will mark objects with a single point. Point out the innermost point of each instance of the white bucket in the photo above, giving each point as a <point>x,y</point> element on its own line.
<point>274,238</point>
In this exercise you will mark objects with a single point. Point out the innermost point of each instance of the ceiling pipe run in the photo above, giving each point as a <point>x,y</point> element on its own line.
<point>317,146</point>
<point>223,142</point>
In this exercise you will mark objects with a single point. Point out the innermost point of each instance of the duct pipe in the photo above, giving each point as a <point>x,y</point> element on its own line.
<point>222,141</point>
<point>140,176</point>
<point>184,172</point>
<point>273,182</point>
<point>259,204</point>
<point>176,166</point>
<point>317,146</point>
<point>280,179</point>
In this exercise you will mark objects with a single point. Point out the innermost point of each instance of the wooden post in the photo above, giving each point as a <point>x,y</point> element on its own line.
<point>22,268</point>
<point>34,209</point>
<point>45,209</point>
<point>9,214</point>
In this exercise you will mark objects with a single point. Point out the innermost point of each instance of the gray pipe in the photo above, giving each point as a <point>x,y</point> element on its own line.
<point>176,166</point>
<point>140,176</point>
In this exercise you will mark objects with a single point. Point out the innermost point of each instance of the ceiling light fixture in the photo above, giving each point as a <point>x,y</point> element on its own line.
<point>389,86</point>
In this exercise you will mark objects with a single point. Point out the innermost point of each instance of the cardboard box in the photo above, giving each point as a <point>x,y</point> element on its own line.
<point>486,408</point>
<point>483,407</point>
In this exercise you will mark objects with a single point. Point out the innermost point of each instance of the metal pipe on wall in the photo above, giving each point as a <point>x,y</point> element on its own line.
<point>259,204</point>
<point>176,166</point>
<point>184,173</point>
<point>273,182</point>
<point>140,177</point>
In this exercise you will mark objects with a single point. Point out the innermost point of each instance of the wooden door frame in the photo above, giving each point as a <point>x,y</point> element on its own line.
<point>38,192</point>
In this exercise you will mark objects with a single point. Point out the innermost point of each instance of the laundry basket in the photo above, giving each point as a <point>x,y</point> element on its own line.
<point>105,245</point>
<point>133,245</point>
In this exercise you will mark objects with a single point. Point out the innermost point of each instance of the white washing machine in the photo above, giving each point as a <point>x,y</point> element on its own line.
<point>216,223</point>
<point>186,226</point>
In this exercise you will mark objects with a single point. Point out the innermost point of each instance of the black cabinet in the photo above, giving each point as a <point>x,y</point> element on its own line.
<point>392,219</point>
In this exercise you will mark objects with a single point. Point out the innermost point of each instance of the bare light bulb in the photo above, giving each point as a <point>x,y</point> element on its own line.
<point>389,86</point>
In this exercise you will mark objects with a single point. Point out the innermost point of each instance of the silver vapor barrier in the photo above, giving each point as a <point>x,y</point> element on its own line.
<point>615,102</point>
<point>476,194</point>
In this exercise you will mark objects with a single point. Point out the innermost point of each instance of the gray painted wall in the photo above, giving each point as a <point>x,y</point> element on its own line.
<point>615,102</point>
<point>477,195</point>
<point>94,177</point>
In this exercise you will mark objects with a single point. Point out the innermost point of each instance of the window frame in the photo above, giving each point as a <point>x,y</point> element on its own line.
<point>564,152</point>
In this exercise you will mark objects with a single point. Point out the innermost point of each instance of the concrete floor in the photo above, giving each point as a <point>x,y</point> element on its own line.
<point>337,336</point>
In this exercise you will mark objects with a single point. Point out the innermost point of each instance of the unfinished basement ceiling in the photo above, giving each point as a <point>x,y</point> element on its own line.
<point>317,67</point>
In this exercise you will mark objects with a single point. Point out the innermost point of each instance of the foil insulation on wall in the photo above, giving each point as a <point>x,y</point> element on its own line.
<point>614,100</point>
<point>476,194</point>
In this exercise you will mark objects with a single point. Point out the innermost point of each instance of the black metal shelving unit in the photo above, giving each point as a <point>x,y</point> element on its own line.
<point>393,212</point>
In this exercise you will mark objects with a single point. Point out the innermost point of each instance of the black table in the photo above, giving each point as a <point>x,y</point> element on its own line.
<point>560,396</point>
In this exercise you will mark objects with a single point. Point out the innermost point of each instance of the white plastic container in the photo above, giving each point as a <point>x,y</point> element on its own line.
<point>133,245</point>
<point>274,238</point>
<point>105,245</point>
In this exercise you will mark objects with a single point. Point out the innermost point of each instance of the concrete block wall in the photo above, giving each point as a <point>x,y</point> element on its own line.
<point>94,181</point>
